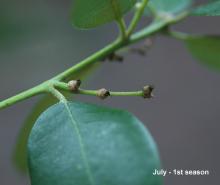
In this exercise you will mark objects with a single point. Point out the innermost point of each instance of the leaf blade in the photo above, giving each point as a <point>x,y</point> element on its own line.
<point>92,13</point>
<point>205,49</point>
<point>118,148</point>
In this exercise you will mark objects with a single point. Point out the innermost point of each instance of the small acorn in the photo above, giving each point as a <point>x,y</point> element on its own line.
<point>74,85</point>
<point>148,91</point>
<point>103,93</point>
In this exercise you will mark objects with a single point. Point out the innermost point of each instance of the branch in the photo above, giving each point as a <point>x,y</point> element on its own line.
<point>122,28</point>
<point>140,10</point>
<point>93,58</point>
<point>178,35</point>
<point>22,96</point>
<point>155,27</point>
<point>45,87</point>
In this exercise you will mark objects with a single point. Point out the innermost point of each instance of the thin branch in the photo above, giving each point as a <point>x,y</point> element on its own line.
<point>103,93</point>
<point>140,10</point>
<point>111,48</point>
<point>146,32</point>
<point>122,28</point>
<point>178,35</point>
<point>23,96</point>
<point>156,25</point>
<point>93,58</point>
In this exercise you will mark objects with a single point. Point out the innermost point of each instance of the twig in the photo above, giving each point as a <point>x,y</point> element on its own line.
<point>103,93</point>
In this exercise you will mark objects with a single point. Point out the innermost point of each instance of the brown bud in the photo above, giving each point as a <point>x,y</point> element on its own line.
<point>74,85</point>
<point>148,91</point>
<point>115,57</point>
<point>103,93</point>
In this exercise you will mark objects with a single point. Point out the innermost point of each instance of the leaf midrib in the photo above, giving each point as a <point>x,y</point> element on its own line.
<point>81,143</point>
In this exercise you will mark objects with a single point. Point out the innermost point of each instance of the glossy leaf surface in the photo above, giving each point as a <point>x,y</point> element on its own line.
<point>92,13</point>
<point>83,144</point>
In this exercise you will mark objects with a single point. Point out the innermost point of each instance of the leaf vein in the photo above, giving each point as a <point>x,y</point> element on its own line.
<point>82,146</point>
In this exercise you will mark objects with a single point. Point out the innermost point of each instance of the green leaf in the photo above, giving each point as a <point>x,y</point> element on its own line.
<point>206,49</point>
<point>20,154</point>
<point>83,144</point>
<point>172,7</point>
<point>92,13</point>
<point>210,9</point>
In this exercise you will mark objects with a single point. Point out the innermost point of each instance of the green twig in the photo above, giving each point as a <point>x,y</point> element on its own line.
<point>146,32</point>
<point>122,28</point>
<point>22,96</point>
<point>140,10</point>
<point>155,27</point>
<point>65,87</point>
<point>93,58</point>
<point>178,35</point>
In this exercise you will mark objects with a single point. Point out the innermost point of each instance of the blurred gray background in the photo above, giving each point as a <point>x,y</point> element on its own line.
<point>37,41</point>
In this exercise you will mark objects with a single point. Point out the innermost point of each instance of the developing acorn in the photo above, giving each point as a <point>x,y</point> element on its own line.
<point>103,93</point>
<point>148,91</point>
<point>74,85</point>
